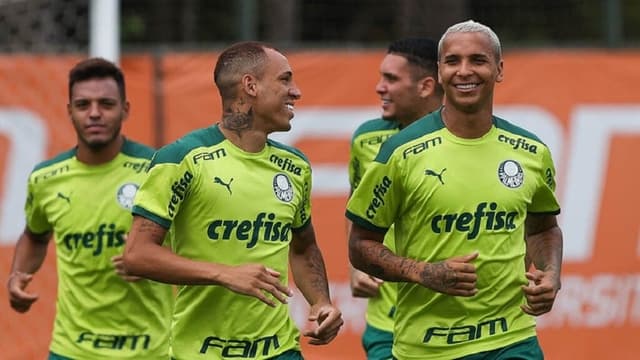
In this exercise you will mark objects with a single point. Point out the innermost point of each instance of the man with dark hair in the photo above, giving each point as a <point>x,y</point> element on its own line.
<point>409,90</point>
<point>83,198</point>
<point>238,204</point>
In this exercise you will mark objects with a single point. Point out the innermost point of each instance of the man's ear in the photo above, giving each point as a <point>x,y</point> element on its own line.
<point>126,107</point>
<point>249,84</point>
<point>426,86</point>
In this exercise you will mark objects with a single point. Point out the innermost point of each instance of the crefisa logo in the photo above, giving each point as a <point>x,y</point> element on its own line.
<point>510,174</point>
<point>282,187</point>
<point>125,195</point>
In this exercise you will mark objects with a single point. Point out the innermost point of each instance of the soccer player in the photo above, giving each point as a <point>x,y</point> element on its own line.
<point>239,205</point>
<point>462,188</point>
<point>83,198</point>
<point>409,90</point>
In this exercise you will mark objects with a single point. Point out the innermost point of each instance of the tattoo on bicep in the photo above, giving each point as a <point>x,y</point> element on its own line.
<point>153,230</point>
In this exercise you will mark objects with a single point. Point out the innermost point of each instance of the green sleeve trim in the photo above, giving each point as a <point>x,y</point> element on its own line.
<point>140,211</point>
<point>301,228</point>
<point>288,148</point>
<point>421,127</point>
<point>364,223</point>
<point>552,212</point>
<point>137,150</point>
<point>57,159</point>
<point>175,152</point>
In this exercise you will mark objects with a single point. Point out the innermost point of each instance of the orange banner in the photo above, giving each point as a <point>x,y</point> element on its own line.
<point>583,104</point>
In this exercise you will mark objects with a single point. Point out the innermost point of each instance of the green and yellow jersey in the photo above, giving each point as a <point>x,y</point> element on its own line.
<point>446,197</point>
<point>365,144</point>
<point>88,209</point>
<point>230,207</point>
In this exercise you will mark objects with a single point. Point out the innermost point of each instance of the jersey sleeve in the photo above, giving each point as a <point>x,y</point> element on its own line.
<point>375,202</point>
<point>544,200</point>
<point>36,218</point>
<point>165,189</point>
<point>355,166</point>
<point>303,215</point>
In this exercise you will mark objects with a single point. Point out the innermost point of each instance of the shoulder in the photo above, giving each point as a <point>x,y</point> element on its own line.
<point>507,126</point>
<point>177,150</point>
<point>296,153</point>
<point>422,127</point>
<point>374,125</point>
<point>56,160</point>
<point>137,150</point>
<point>519,137</point>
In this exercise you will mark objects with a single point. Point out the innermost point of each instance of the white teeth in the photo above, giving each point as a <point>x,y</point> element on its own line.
<point>466,86</point>
<point>290,107</point>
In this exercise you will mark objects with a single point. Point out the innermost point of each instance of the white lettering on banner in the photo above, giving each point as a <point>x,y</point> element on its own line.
<point>27,146</point>
<point>601,301</point>
<point>591,130</point>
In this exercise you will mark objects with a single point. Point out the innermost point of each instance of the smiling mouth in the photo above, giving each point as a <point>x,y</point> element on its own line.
<point>466,86</point>
<point>289,107</point>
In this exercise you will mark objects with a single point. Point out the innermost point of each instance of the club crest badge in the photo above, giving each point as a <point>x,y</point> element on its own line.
<point>282,187</point>
<point>126,194</point>
<point>510,174</point>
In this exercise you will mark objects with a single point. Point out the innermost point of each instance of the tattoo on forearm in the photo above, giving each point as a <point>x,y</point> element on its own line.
<point>316,270</point>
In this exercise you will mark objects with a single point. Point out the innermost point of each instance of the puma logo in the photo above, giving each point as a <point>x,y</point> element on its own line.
<point>65,198</point>
<point>438,175</point>
<point>217,180</point>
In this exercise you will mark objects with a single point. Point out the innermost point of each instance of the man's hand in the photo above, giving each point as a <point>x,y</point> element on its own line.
<point>19,298</point>
<point>254,280</point>
<point>540,293</point>
<point>327,322</point>
<point>455,276</point>
<point>364,285</point>
<point>118,264</point>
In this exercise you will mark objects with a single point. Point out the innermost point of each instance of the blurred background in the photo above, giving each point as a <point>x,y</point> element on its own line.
<point>571,75</point>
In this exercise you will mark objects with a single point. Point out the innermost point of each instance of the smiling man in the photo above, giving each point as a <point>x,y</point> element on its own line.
<point>463,289</point>
<point>408,90</point>
<point>239,206</point>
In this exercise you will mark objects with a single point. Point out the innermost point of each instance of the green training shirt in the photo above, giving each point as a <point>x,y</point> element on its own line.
<point>447,197</point>
<point>88,208</point>
<point>230,207</point>
<point>365,144</point>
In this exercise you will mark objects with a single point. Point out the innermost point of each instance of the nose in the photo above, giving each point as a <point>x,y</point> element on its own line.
<point>381,87</point>
<point>295,92</point>
<point>465,68</point>
<point>94,110</point>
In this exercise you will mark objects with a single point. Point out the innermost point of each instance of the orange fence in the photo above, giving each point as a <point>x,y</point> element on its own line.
<point>584,105</point>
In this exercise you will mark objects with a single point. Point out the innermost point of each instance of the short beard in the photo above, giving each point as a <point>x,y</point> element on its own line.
<point>96,146</point>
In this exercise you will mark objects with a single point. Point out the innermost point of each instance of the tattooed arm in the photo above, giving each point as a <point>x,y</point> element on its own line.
<point>544,250</point>
<point>310,277</point>
<point>145,256</point>
<point>454,276</point>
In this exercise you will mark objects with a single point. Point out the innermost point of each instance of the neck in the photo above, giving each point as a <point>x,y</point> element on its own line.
<point>467,125</point>
<point>249,140</point>
<point>91,156</point>
<point>427,107</point>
